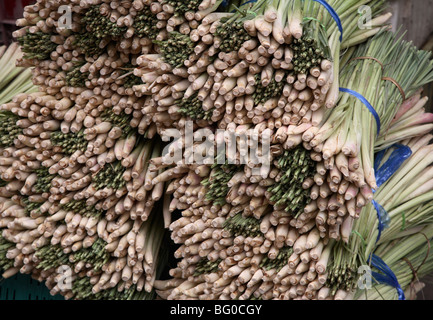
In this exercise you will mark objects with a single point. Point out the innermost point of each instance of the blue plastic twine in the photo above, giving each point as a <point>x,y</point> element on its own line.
<point>334,15</point>
<point>387,276</point>
<point>366,103</point>
<point>225,3</point>
<point>394,162</point>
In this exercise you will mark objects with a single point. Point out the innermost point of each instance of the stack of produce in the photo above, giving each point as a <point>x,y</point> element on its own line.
<point>343,145</point>
<point>411,260</point>
<point>83,169</point>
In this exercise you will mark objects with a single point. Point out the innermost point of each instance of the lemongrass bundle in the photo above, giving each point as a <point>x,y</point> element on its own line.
<point>408,209</point>
<point>84,182</point>
<point>227,247</point>
<point>345,176</point>
<point>335,136</point>
<point>61,176</point>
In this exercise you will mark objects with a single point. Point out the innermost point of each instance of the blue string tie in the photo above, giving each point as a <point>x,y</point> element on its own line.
<point>367,104</point>
<point>387,276</point>
<point>383,217</point>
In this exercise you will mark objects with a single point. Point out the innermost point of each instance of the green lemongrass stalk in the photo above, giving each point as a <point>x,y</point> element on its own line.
<point>206,266</point>
<point>96,255</point>
<point>180,8</point>
<point>419,216</point>
<point>5,263</point>
<point>217,182</point>
<point>411,132</point>
<point>9,130</point>
<point>145,23</point>
<point>69,142</point>
<point>244,226</point>
<point>80,207</point>
<point>342,269</point>
<point>296,166</point>
<point>364,36</point>
<point>100,25</point>
<point>344,9</point>
<point>76,78</point>
<point>279,262</point>
<point>51,257</point>
<point>408,124</point>
<point>110,176</point>
<point>119,120</point>
<point>416,71</point>
<point>416,244</point>
<point>403,214</point>
<point>405,176</point>
<point>37,45</point>
<point>176,49</point>
<point>410,121</point>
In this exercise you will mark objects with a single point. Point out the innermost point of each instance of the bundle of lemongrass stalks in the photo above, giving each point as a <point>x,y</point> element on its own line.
<point>344,142</point>
<point>85,184</point>
<point>240,239</point>
<point>14,80</point>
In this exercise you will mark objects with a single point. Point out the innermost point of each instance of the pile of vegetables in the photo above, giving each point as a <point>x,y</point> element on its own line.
<point>87,184</point>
